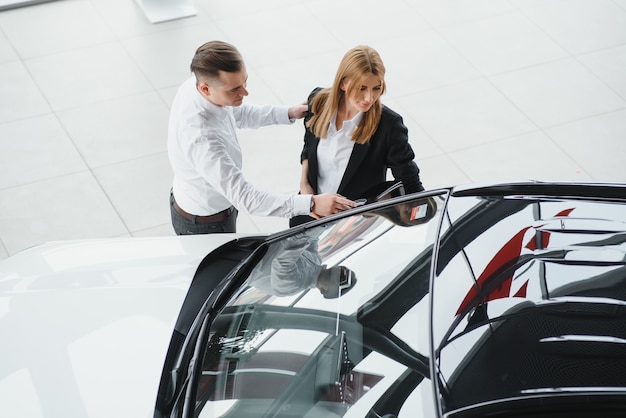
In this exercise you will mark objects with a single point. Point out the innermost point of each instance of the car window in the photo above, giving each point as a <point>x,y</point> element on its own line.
<point>331,321</point>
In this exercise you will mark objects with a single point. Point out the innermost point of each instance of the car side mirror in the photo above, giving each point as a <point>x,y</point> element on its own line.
<point>383,191</point>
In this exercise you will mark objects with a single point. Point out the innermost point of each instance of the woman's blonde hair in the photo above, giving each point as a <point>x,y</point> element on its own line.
<point>357,63</point>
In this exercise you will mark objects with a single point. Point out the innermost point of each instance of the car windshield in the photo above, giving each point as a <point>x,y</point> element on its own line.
<point>331,321</point>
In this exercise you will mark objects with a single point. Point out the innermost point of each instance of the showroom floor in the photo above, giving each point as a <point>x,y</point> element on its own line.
<point>491,90</point>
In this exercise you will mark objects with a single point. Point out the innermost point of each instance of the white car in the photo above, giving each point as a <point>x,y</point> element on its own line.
<point>85,325</point>
<point>503,300</point>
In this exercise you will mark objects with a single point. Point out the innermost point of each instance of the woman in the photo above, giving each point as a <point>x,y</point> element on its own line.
<point>351,138</point>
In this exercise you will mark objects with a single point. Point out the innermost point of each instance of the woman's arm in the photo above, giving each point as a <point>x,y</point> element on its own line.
<point>305,187</point>
<point>400,157</point>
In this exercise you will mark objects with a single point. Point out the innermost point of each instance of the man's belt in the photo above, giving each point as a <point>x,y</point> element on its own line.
<point>218,217</point>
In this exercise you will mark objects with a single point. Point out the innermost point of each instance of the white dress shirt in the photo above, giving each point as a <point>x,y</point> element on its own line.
<point>206,157</point>
<point>333,153</point>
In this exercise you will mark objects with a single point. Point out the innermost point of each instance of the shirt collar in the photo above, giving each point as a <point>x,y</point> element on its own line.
<point>348,125</point>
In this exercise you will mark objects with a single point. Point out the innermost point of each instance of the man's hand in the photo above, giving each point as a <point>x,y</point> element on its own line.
<point>328,203</point>
<point>297,111</point>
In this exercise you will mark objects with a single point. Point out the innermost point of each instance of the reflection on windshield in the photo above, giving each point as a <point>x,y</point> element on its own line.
<point>310,332</point>
<point>294,264</point>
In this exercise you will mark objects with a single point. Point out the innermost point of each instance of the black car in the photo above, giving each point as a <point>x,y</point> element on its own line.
<point>504,300</point>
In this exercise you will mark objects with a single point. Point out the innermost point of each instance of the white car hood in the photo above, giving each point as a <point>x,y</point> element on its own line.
<point>85,325</point>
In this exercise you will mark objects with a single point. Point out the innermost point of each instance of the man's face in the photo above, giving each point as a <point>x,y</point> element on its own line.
<point>229,90</point>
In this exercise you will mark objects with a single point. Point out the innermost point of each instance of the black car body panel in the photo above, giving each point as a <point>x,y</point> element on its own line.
<point>542,313</point>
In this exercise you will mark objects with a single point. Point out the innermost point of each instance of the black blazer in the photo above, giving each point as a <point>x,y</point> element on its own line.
<point>388,148</point>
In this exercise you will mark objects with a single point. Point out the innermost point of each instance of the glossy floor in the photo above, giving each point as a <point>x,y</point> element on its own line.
<point>491,90</point>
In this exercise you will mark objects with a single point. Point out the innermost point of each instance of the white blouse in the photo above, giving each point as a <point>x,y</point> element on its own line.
<point>333,154</point>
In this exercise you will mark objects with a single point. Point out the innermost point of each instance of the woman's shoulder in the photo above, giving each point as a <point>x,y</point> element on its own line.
<point>389,113</point>
<point>314,92</point>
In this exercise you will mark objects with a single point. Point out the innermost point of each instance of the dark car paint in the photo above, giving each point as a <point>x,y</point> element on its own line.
<point>526,350</point>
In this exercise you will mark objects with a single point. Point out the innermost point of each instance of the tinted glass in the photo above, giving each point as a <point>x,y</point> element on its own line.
<point>530,299</point>
<point>331,322</point>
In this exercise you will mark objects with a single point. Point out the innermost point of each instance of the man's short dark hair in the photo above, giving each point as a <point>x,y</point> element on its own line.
<point>216,56</point>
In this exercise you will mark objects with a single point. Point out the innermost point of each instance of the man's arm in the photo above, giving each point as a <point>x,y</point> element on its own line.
<point>216,166</point>
<point>255,116</point>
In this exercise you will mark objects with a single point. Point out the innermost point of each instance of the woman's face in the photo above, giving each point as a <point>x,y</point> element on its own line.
<point>364,95</point>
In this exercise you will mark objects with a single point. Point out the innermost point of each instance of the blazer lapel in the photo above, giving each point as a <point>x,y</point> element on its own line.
<point>313,164</point>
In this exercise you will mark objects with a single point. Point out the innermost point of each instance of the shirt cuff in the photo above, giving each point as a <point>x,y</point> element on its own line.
<point>302,204</point>
<point>283,116</point>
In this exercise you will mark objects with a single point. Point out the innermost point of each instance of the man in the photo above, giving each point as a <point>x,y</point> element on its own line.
<point>209,187</point>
